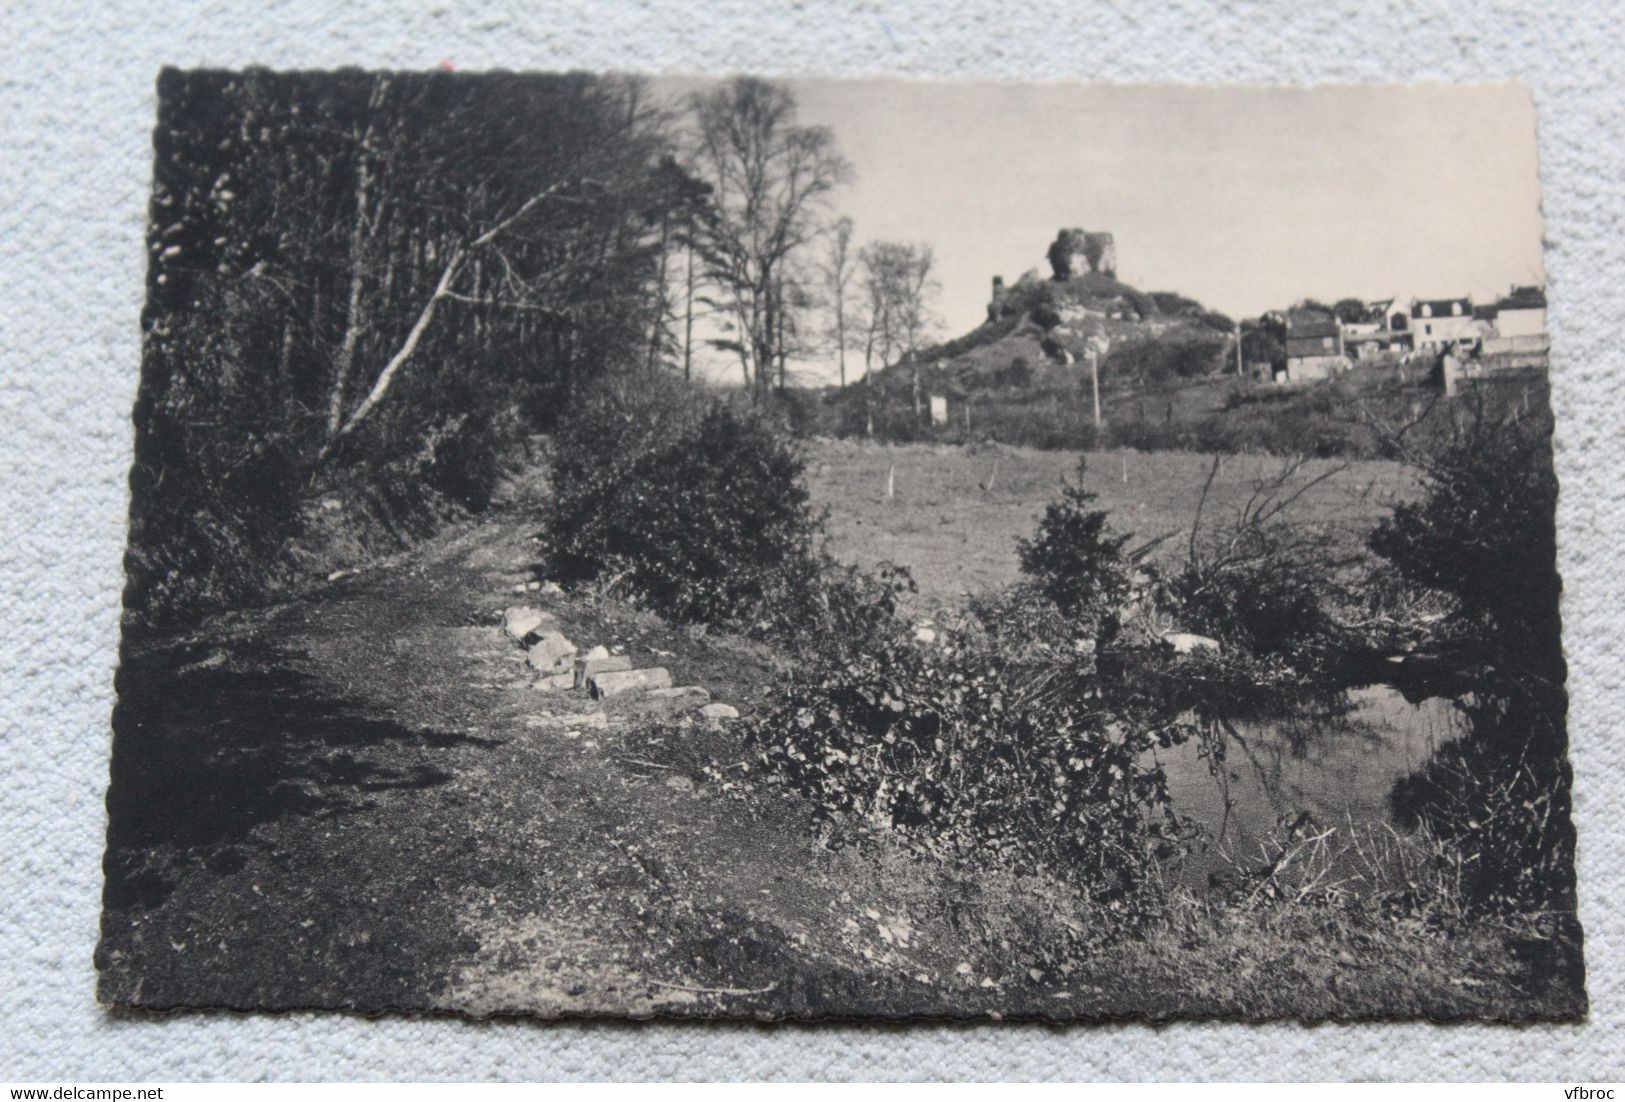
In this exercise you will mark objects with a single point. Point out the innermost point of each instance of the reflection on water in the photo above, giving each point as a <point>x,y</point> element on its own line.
<point>1338,763</point>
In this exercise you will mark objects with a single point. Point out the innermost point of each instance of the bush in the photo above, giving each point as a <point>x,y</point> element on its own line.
<point>211,517</point>
<point>1267,593</point>
<point>1018,373</point>
<point>1160,360</point>
<point>1075,560</point>
<point>700,519</point>
<point>946,749</point>
<point>1486,533</point>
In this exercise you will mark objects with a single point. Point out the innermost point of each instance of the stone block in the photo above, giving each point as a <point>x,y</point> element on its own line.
<point>616,682</point>
<point>682,696</point>
<point>523,620</point>
<point>589,664</point>
<point>550,652</point>
<point>1184,642</point>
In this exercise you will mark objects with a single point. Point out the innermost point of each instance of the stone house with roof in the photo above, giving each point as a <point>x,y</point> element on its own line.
<point>1314,346</point>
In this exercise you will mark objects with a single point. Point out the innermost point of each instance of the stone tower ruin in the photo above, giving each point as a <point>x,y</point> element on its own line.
<point>1075,252</point>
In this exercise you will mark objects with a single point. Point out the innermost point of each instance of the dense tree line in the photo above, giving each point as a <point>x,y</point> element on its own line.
<point>384,280</point>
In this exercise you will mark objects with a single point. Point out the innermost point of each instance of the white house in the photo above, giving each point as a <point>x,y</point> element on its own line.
<point>1522,313</point>
<point>1441,321</point>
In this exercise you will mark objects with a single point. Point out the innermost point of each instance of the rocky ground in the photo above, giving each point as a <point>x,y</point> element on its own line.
<point>364,799</point>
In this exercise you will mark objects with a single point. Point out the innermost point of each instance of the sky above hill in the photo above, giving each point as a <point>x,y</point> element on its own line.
<point>1245,198</point>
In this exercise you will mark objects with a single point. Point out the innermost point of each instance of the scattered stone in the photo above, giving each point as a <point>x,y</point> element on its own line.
<point>533,586</point>
<point>681,697</point>
<point>551,589</point>
<point>615,682</point>
<point>551,652</point>
<point>716,713</point>
<point>600,651</point>
<point>523,620</point>
<point>592,721</point>
<point>332,503</point>
<point>557,682</point>
<point>337,574</point>
<point>925,635</point>
<point>679,783</point>
<point>588,665</point>
<point>1184,642</point>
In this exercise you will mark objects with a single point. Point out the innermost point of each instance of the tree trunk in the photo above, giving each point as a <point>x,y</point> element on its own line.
<point>354,324</point>
<point>840,342</point>
<point>688,318</point>
<point>660,302</point>
<point>779,296</point>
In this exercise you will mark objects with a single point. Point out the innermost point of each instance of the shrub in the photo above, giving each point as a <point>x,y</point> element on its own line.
<point>1486,533</point>
<point>1075,560</point>
<point>944,748</point>
<point>1266,593</point>
<point>1263,584</point>
<point>210,519</point>
<point>1160,360</point>
<point>830,612</point>
<point>701,520</point>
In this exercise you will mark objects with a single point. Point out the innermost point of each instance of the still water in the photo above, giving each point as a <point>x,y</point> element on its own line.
<point>1339,765</point>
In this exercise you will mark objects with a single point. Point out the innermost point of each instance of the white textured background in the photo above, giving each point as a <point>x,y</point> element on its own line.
<point>76,111</point>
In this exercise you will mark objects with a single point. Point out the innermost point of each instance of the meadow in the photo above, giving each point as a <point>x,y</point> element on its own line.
<point>954,513</point>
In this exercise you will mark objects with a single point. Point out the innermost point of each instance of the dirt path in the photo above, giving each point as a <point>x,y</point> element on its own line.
<point>415,824</point>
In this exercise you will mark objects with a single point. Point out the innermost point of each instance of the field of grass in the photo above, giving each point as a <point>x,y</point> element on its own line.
<point>956,512</point>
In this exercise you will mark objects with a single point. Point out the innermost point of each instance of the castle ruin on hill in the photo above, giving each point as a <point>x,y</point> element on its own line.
<point>1074,252</point>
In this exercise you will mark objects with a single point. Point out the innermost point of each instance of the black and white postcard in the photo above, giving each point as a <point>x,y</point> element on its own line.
<point>801,549</point>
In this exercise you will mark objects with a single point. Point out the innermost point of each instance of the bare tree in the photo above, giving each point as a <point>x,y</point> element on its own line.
<point>770,183</point>
<point>897,285</point>
<point>838,270</point>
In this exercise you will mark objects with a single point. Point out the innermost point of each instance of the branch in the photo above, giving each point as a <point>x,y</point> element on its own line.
<point>507,304</point>
<point>1201,503</point>
<point>453,268</point>
<point>396,362</point>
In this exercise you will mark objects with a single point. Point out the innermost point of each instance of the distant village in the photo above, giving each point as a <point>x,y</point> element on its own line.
<point>1465,339</point>
<point>1449,340</point>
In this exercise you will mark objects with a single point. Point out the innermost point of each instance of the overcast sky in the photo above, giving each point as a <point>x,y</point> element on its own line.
<point>1245,198</point>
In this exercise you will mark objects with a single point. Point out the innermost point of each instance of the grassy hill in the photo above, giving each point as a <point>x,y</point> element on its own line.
<point>1167,381</point>
<point>1024,372</point>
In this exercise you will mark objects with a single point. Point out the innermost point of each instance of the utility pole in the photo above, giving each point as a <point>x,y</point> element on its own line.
<point>1094,379</point>
<point>1239,371</point>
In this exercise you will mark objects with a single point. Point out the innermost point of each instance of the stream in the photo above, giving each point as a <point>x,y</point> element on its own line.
<point>1338,765</point>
